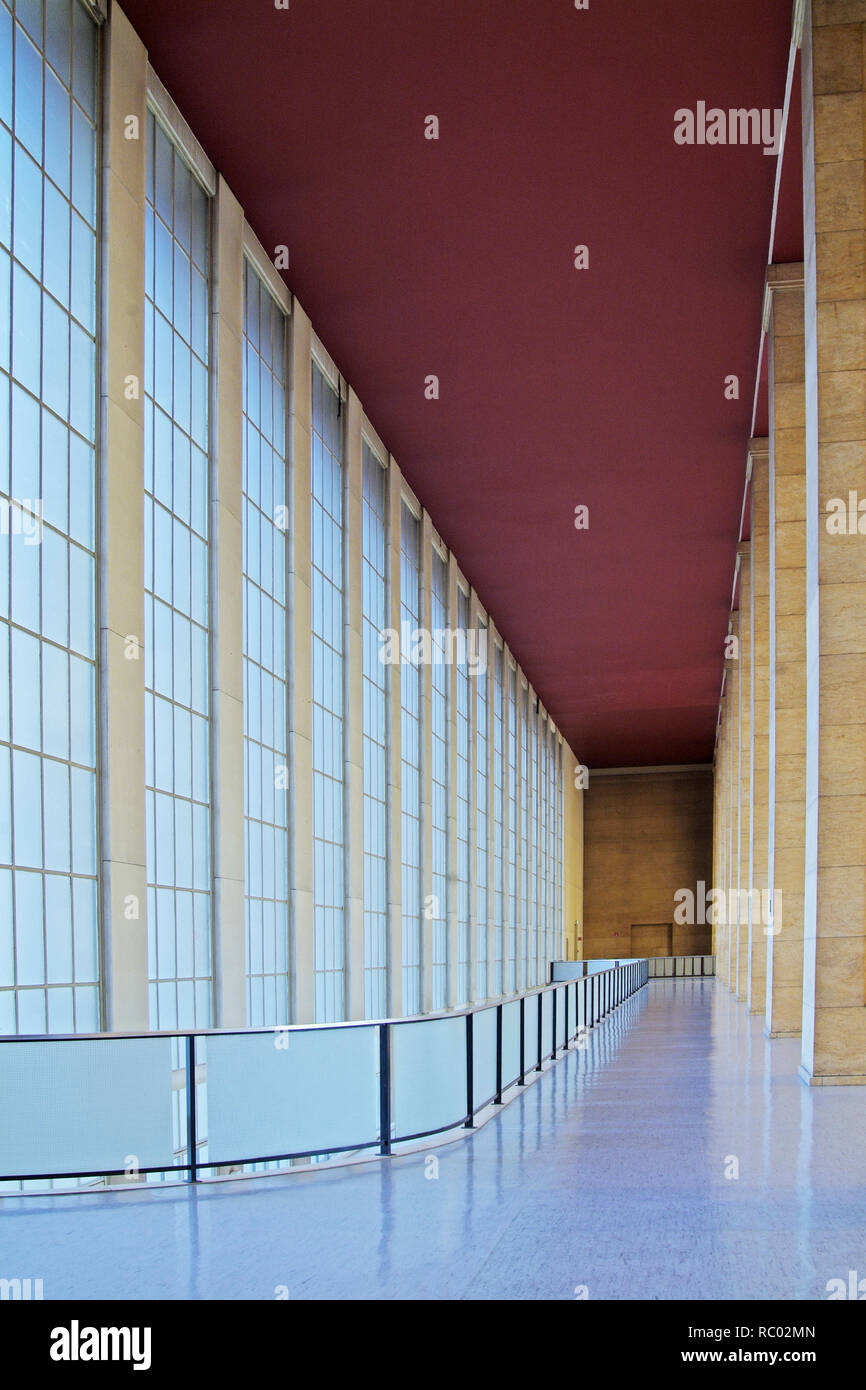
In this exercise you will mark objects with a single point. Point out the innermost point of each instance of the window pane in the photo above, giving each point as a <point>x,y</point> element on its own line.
<point>176,760</point>
<point>265,558</point>
<point>48,795</point>
<point>327,659</point>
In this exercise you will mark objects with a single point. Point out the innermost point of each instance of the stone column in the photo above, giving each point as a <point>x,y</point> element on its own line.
<point>762,790</point>
<point>735,782</point>
<point>719,813</point>
<point>786,870</point>
<point>744,924</point>
<point>121,567</point>
<point>834,987</point>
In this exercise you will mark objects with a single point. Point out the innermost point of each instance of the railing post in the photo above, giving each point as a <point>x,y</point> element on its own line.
<point>384,1088</point>
<point>522,1081</point>
<point>191,1130</point>
<point>553,1027</point>
<point>498,1097</point>
<point>470,1078</point>
<point>565,1029</point>
<point>539,1003</point>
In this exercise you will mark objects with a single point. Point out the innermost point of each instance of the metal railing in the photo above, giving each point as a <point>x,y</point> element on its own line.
<point>181,1104</point>
<point>672,967</point>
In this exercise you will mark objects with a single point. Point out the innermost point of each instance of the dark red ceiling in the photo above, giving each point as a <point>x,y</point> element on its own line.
<point>558,387</point>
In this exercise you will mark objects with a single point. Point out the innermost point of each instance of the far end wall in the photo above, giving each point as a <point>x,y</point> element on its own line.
<point>647,834</point>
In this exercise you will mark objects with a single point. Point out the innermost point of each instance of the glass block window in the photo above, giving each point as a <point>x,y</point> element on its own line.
<point>410,730</point>
<point>328,729</point>
<point>49,934</point>
<point>464,808</point>
<point>265,669</point>
<point>482,812</point>
<point>441,732</point>
<point>497,887</point>
<point>514,902</point>
<point>176,535</point>
<point>374,601</point>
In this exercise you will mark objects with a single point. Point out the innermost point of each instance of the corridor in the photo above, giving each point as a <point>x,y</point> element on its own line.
<point>606,1179</point>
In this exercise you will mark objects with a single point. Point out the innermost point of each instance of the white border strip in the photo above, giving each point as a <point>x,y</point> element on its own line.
<point>167,113</point>
<point>266,271</point>
<point>327,366</point>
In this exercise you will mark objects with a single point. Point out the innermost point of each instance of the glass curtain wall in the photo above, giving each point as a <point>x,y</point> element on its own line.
<point>327,599</point>
<point>176,538</point>
<point>374,610</point>
<point>464,809</point>
<point>265,669</point>
<point>49,927</point>
<point>440,717</point>
<point>410,731</point>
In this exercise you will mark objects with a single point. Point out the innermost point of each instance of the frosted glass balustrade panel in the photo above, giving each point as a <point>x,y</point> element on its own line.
<point>530,1030</point>
<point>546,1023</point>
<point>484,1056</point>
<point>429,1075</point>
<point>510,1042</point>
<point>291,1091</point>
<point>87,1106</point>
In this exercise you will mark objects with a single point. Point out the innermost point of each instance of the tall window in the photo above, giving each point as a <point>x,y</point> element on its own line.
<point>440,749</point>
<point>482,987</point>
<point>464,843</point>
<point>525,789</point>
<point>534,825</point>
<point>552,848</point>
<point>374,600</point>
<point>327,654</point>
<point>498,885</point>
<point>543,823</point>
<point>176,657</point>
<point>560,850</point>
<point>513,830</point>
<point>410,730</point>
<point>265,545</point>
<point>49,958</point>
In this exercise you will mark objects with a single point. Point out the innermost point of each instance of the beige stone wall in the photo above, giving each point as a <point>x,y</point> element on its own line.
<point>647,834</point>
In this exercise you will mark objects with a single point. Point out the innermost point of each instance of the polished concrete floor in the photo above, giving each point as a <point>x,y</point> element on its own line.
<point>606,1179</point>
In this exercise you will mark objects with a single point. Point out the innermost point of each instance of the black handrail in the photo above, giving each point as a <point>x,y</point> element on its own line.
<point>601,992</point>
